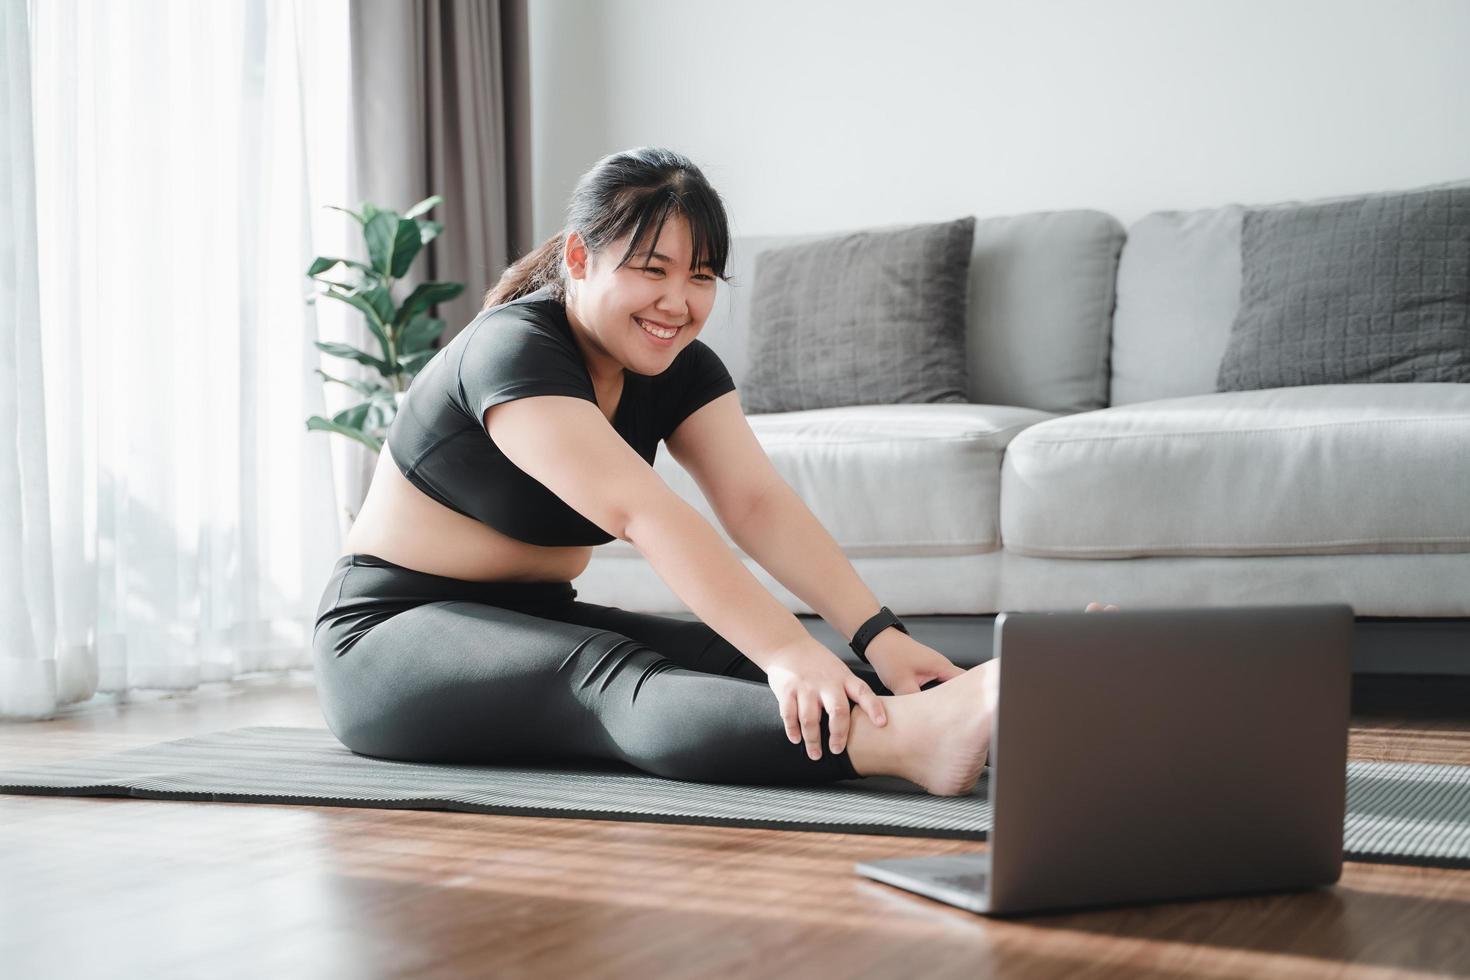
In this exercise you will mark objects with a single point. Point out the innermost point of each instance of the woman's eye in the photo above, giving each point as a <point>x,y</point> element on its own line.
<point>652,268</point>
<point>706,278</point>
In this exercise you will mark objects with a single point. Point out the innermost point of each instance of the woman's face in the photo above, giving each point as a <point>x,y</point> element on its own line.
<point>644,313</point>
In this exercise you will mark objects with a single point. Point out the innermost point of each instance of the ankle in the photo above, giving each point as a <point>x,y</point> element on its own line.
<point>875,751</point>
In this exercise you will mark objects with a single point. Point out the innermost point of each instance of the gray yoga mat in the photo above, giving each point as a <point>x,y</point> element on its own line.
<point>1398,812</point>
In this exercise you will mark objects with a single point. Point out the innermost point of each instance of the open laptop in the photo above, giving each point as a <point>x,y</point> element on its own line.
<point>1157,754</point>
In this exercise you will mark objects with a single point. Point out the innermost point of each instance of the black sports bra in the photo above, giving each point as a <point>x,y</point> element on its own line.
<point>521,348</point>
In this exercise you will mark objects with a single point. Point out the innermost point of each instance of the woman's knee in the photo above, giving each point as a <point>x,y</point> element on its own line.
<point>605,668</point>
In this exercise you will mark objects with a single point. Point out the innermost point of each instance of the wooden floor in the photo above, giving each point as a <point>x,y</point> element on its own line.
<point>99,887</point>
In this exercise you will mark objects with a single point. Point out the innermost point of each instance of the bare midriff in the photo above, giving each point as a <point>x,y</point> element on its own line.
<point>402,524</point>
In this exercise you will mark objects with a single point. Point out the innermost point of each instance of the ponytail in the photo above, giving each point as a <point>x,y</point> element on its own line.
<point>533,270</point>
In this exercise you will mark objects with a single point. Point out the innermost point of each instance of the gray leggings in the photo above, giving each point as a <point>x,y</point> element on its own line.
<point>425,668</point>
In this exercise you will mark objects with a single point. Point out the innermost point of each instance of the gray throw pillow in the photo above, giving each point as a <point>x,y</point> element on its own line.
<point>868,318</point>
<point>1365,289</point>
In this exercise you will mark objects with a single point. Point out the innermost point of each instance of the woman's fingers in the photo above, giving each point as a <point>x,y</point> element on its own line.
<point>803,708</point>
<point>789,718</point>
<point>811,724</point>
<point>838,720</point>
<point>860,692</point>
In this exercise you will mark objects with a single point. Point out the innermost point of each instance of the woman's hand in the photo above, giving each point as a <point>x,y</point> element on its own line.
<point>807,677</point>
<point>905,665</point>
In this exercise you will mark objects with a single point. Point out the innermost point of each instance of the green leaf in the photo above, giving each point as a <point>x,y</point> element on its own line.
<point>360,218</point>
<point>354,416</point>
<point>364,303</point>
<point>351,283</point>
<point>323,263</point>
<point>381,231</point>
<point>355,276</point>
<point>425,295</point>
<point>410,363</point>
<point>371,389</point>
<point>429,230</point>
<point>392,242</point>
<point>423,206</point>
<point>406,246</point>
<point>381,301</point>
<point>318,424</point>
<point>380,414</point>
<point>353,354</point>
<point>420,333</point>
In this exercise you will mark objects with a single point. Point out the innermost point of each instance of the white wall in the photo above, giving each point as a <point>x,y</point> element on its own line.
<point>814,116</point>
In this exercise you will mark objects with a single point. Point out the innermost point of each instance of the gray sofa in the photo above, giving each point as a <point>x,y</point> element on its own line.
<point>1096,461</point>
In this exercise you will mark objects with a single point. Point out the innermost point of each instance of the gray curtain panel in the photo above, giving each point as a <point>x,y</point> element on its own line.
<point>1367,289</point>
<point>442,106</point>
<point>869,318</point>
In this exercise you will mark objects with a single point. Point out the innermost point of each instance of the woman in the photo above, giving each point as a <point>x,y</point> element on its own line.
<point>450,630</point>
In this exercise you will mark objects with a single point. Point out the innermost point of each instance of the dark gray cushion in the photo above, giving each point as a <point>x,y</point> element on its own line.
<point>1366,289</point>
<point>868,318</point>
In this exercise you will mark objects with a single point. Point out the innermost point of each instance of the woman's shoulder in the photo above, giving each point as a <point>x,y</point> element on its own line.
<point>537,309</point>
<point>697,357</point>
<point>536,320</point>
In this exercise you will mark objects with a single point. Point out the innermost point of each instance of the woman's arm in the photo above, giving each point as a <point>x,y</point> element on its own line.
<point>765,517</point>
<point>785,537</point>
<point>781,533</point>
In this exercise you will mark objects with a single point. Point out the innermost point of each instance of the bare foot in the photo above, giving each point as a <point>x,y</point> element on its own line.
<point>946,730</point>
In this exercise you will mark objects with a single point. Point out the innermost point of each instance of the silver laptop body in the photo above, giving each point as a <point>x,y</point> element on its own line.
<point>1157,754</point>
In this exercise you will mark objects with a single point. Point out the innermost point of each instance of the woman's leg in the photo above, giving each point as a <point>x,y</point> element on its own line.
<point>689,643</point>
<point>462,681</point>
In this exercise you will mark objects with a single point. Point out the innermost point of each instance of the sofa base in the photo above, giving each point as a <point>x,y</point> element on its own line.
<point>1414,586</point>
<point>1381,645</point>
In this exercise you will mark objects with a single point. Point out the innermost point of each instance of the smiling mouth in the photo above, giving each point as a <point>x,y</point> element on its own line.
<point>658,330</point>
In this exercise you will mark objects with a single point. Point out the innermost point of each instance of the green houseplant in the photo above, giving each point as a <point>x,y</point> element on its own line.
<point>405,332</point>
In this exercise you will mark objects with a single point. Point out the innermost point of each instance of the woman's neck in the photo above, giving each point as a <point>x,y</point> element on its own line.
<point>604,369</point>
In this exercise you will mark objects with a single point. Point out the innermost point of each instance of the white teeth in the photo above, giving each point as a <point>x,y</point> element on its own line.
<point>661,334</point>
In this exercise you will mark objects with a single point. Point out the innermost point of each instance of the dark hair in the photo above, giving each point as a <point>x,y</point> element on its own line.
<point>632,192</point>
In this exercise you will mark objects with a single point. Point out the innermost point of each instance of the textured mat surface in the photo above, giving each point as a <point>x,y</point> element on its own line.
<point>1397,812</point>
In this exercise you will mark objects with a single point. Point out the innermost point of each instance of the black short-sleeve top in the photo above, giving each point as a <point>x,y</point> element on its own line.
<point>521,348</point>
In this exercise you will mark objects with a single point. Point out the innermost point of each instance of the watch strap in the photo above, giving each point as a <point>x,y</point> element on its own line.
<point>876,624</point>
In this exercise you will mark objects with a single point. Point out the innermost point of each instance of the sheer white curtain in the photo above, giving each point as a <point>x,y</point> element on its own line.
<point>165,517</point>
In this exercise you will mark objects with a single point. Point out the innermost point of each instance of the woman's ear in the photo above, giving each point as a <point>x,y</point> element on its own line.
<point>574,254</point>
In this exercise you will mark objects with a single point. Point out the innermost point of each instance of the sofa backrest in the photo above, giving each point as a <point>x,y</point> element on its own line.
<point>1178,290</point>
<point>1179,279</point>
<point>1041,302</point>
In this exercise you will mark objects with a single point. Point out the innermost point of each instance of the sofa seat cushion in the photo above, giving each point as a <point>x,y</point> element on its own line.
<point>1310,470</point>
<point>885,480</point>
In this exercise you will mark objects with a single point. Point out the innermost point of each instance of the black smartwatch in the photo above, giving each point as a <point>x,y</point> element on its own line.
<point>880,621</point>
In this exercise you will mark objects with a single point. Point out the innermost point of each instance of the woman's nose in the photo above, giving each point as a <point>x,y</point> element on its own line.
<point>673,304</point>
